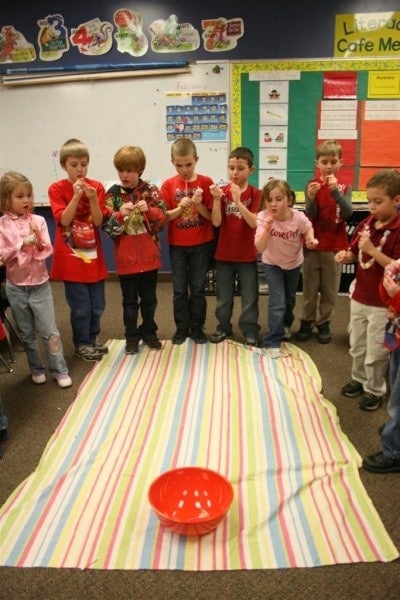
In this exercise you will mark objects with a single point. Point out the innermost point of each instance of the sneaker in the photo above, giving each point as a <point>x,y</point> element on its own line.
<point>132,347</point>
<point>305,331</point>
<point>198,336</point>
<point>99,346</point>
<point>381,463</point>
<point>88,353</point>
<point>274,353</point>
<point>369,402</point>
<point>287,335</point>
<point>324,333</point>
<point>179,337</point>
<point>38,377</point>
<point>4,435</point>
<point>63,380</point>
<point>153,343</point>
<point>251,341</point>
<point>352,389</point>
<point>219,336</point>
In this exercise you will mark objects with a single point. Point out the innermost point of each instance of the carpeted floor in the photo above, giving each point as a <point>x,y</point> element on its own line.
<point>35,411</point>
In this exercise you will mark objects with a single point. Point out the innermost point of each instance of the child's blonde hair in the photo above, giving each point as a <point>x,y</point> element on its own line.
<point>130,158</point>
<point>73,147</point>
<point>388,179</point>
<point>329,148</point>
<point>183,147</point>
<point>8,182</point>
<point>271,185</point>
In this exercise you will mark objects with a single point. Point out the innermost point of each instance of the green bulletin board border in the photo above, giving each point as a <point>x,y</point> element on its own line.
<point>240,68</point>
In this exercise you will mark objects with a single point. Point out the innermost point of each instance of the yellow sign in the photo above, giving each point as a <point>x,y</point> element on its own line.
<point>384,84</point>
<point>367,35</point>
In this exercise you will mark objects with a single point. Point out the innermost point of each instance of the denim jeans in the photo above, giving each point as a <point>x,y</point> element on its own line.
<point>33,311</point>
<point>189,266</point>
<point>139,291</point>
<point>390,436</point>
<point>86,302</point>
<point>281,301</point>
<point>248,280</point>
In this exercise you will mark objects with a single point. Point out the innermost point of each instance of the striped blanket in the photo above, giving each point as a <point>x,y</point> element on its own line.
<point>262,423</point>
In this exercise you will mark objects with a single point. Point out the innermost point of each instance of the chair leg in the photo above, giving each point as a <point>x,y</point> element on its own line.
<point>11,328</point>
<point>5,363</point>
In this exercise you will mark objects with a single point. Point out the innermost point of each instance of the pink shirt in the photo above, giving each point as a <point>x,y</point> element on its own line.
<point>285,243</point>
<point>25,265</point>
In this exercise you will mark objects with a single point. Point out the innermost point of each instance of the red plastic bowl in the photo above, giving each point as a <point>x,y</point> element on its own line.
<point>190,500</point>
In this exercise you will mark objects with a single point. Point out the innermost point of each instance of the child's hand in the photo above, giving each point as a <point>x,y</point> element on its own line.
<point>79,187</point>
<point>341,256</point>
<point>268,223</point>
<point>364,242</point>
<point>91,193</point>
<point>197,196</point>
<point>29,240</point>
<point>142,206</point>
<point>331,182</point>
<point>235,191</point>
<point>311,243</point>
<point>216,191</point>
<point>186,202</point>
<point>312,189</point>
<point>390,286</point>
<point>126,208</point>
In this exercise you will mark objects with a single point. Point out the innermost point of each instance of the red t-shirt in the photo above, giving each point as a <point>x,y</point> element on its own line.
<point>68,264</point>
<point>367,281</point>
<point>190,228</point>
<point>236,237</point>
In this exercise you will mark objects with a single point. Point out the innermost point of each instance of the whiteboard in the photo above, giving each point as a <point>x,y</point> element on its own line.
<point>104,114</point>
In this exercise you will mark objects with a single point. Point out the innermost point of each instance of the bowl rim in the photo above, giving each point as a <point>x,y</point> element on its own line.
<point>195,520</point>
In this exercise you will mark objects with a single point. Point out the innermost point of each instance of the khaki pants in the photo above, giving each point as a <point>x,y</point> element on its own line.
<point>370,358</point>
<point>320,274</point>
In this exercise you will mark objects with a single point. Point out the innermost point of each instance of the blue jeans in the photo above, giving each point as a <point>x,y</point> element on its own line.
<point>134,287</point>
<point>86,302</point>
<point>281,301</point>
<point>189,267</point>
<point>247,274</point>
<point>390,436</point>
<point>33,310</point>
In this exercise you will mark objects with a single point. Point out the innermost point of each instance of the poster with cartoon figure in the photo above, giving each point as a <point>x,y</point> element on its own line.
<point>93,38</point>
<point>14,48</point>
<point>168,35</point>
<point>52,37</point>
<point>129,35</point>
<point>220,35</point>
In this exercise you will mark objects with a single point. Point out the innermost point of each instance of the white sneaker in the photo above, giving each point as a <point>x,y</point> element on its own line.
<point>63,380</point>
<point>287,334</point>
<point>38,377</point>
<point>274,353</point>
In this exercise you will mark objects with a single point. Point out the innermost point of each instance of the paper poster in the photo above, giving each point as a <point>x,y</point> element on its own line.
<point>340,84</point>
<point>220,35</point>
<point>52,37</point>
<point>168,35</point>
<point>129,35</point>
<point>93,38</point>
<point>14,48</point>
<point>202,117</point>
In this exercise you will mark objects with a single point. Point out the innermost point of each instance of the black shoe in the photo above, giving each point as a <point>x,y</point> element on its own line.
<point>153,342</point>
<point>324,333</point>
<point>198,336</point>
<point>4,436</point>
<point>179,337</point>
<point>219,336</point>
<point>381,463</point>
<point>352,389</point>
<point>369,402</point>
<point>305,331</point>
<point>99,346</point>
<point>132,347</point>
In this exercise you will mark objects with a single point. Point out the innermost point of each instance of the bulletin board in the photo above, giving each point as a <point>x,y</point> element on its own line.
<point>283,109</point>
<point>106,114</point>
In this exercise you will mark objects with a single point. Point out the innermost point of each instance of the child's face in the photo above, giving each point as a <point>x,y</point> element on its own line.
<point>21,199</point>
<point>185,166</point>
<point>328,165</point>
<point>76,168</point>
<point>277,204</point>
<point>129,178</point>
<point>380,205</point>
<point>239,171</point>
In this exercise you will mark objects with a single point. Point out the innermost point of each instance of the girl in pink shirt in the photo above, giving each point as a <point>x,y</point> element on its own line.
<point>24,246</point>
<point>279,236</point>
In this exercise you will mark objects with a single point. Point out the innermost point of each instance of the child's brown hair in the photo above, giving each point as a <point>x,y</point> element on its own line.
<point>388,179</point>
<point>8,182</point>
<point>73,147</point>
<point>329,148</point>
<point>271,185</point>
<point>183,147</point>
<point>130,158</point>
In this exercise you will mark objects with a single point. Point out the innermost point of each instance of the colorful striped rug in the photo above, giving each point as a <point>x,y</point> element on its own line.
<point>263,423</point>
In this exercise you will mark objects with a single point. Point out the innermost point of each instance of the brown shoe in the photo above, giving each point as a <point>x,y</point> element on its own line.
<point>153,343</point>
<point>132,347</point>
